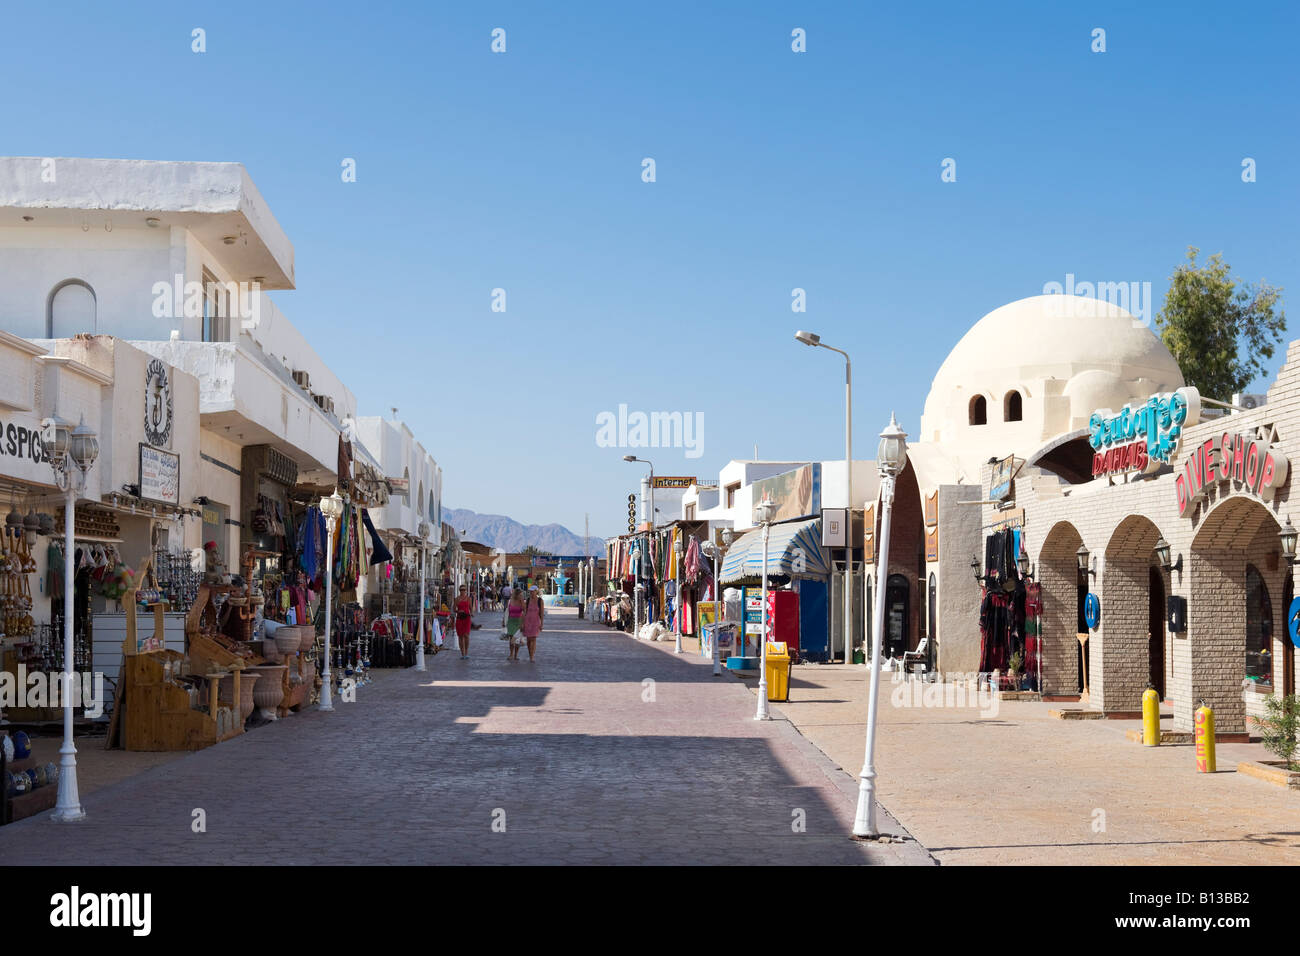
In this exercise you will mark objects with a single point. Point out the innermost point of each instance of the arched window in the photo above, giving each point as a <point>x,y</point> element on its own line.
<point>1259,628</point>
<point>415,501</point>
<point>430,504</point>
<point>70,309</point>
<point>1011,407</point>
<point>979,411</point>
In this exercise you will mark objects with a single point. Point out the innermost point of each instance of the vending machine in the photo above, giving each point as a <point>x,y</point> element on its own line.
<point>783,619</point>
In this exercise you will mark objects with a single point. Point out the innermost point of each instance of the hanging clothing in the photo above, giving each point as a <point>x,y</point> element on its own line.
<point>379,553</point>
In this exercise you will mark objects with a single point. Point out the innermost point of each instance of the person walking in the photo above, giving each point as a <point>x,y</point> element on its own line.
<point>534,618</point>
<point>514,621</point>
<point>464,621</point>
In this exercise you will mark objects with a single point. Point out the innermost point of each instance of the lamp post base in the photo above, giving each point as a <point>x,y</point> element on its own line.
<point>419,655</point>
<point>326,696</point>
<point>67,805</point>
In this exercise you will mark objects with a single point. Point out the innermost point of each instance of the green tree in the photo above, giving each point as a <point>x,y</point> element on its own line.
<point>535,552</point>
<point>1219,329</point>
<point>1280,726</point>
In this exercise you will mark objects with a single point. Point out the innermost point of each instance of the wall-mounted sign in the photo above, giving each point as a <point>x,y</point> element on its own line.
<point>157,404</point>
<point>20,450</point>
<point>1000,484</point>
<point>1241,459</point>
<point>1293,621</point>
<point>662,481</point>
<point>160,475</point>
<point>399,486</point>
<point>1158,422</point>
<point>835,527</point>
<point>1092,610</point>
<point>932,544</point>
<point>869,535</point>
<point>932,510</point>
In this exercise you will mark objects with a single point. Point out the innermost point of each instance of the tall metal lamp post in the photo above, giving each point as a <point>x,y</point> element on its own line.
<point>814,340</point>
<point>714,552</point>
<point>332,509</point>
<point>764,512</point>
<point>891,457</point>
<point>677,592</point>
<point>419,633</point>
<point>71,453</point>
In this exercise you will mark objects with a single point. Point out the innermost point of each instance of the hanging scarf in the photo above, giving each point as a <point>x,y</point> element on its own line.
<point>379,553</point>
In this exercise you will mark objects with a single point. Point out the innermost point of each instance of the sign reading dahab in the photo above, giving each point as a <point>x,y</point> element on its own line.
<point>1142,437</point>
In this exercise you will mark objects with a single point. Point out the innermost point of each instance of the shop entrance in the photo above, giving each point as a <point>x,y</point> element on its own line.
<point>1156,629</point>
<point>898,593</point>
<point>1061,621</point>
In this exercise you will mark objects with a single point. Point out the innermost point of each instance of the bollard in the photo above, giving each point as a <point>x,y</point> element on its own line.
<point>1150,717</point>
<point>1205,738</point>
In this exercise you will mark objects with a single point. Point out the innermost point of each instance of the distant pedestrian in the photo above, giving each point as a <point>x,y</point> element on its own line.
<point>514,621</point>
<point>464,621</point>
<point>534,618</point>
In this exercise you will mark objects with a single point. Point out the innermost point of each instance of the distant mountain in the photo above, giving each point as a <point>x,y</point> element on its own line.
<point>499,531</point>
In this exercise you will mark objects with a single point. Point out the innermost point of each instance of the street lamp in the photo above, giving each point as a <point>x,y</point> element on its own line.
<point>765,511</point>
<point>890,457</point>
<point>419,633</point>
<point>332,509</point>
<point>714,552</point>
<point>1287,536</point>
<point>814,340</point>
<point>65,449</point>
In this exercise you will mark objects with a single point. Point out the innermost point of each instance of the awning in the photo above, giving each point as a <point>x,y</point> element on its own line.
<point>793,549</point>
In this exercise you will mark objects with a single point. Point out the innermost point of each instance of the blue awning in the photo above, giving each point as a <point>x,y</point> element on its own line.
<point>794,549</point>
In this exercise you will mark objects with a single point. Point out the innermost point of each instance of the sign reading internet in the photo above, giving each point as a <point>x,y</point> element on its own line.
<point>1142,437</point>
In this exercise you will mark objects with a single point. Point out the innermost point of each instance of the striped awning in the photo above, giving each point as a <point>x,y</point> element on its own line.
<point>794,549</point>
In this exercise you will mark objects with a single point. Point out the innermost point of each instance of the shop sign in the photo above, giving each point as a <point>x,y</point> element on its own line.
<point>1293,621</point>
<point>21,455</point>
<point>932,510</point>
<point>932,544</point>
<point>1000,485</point>
<point>835,527</point>
<point>160,475</point>
<point>1092,610</point>
<point>662,481</point>
<point>1158,422</point>
<point>399,486</point>
<point>1241,459</point>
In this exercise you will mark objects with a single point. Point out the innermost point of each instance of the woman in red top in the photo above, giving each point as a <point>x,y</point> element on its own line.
<point>463,622</point>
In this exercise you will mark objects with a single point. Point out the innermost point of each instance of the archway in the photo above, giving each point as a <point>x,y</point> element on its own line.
<point>907,553</point>
<point>1237,534</point>
<point>1122,658</point>
<point>1284,635</point>
<point>70,309</point>
<point>1058,573</point>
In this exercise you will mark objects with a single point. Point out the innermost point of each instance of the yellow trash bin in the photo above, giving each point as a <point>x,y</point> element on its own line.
<point>778,671</point>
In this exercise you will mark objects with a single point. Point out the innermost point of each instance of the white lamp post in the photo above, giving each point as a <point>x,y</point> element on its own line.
<point>891,457</point>
<point>332,509</point>
<point>713,552</point>
<point>813,339</point>
<point>419,632</point>
<point>764,512</point>
<point>71,454</point>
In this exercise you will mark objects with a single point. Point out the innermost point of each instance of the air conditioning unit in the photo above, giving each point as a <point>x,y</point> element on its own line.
<point>325,402</point>
<point>303,379</point>
<point>1250,401</point>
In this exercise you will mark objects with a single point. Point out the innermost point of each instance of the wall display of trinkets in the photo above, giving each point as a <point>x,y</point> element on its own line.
<point>17,564</point>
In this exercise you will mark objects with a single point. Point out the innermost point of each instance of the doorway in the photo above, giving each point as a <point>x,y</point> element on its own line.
<point>1081,648</point>
<point>898,592</point>
<point>1156,630</point>
<point>1288,648</point>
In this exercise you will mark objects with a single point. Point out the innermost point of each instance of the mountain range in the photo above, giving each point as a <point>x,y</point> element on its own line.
<point>500,531</point>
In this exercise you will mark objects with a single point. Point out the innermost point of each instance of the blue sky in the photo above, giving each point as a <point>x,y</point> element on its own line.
<point>775,170</point>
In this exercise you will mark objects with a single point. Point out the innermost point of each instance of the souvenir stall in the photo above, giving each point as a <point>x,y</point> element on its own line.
<point>1010,607</point>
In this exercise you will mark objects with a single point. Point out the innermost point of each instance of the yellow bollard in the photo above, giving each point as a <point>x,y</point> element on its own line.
<point>1150,718</point>
<point>1205,738</point>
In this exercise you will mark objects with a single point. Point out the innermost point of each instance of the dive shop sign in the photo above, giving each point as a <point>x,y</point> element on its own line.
<point>1142,437</point>
<point>1242,459</point>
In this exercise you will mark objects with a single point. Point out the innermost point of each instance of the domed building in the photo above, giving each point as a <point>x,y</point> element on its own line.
<point>1034,371</point>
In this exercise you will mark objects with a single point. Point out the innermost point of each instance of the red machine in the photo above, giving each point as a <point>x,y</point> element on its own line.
<point>783,619</point>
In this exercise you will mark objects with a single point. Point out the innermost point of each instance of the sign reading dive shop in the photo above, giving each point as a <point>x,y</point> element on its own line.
<point>1142,438</point>
<point>1238,458</point>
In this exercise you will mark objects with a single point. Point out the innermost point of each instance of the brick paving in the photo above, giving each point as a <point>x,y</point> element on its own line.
<point>1021,787</point>
<point>581,768</point>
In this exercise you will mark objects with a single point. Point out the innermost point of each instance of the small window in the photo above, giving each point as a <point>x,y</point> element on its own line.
<point>731,494</point>
<point>216,309</point>
<point>71,310</point>
<point>1011,408</point>
<point>979,411</point>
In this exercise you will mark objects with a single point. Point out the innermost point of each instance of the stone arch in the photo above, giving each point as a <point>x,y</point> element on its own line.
<point>1238,531</point>
<point>1058,573</point>
<point>907,547</point>
<point>1013,406</point>
<point>1121,664</point>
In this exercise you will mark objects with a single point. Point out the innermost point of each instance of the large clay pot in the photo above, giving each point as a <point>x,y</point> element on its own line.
<point>307,635</point>
<point>247,681</point>
<point>268,692</point>
<point>287,641</point>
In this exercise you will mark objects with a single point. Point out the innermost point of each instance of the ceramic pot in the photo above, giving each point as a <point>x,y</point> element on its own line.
<point>287,641</point>
<point>307,635</point>
<point>267,692</point>
<point>271,651</point>
<point>247,681</point>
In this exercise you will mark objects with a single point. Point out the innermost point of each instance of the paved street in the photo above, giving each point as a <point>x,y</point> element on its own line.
<point>580,760</point>
<point>1020,786</point>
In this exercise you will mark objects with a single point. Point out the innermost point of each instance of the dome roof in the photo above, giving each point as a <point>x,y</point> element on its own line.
<point>1052,337</point>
